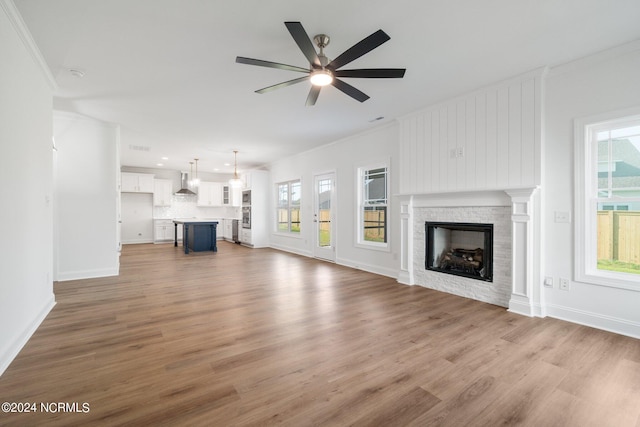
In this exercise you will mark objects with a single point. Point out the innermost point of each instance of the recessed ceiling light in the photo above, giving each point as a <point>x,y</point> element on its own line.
<point>165,158</point>
<point>227,164</point>
<point>160,164</point>
<point>216,169</point>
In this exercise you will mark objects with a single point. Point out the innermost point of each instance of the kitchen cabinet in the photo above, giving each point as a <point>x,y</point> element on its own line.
<point>231,196</point>
<point>258,235</point>
<point>162,192</point>
<point>136,182</point>
<point>246,181</point>
<point>209,194</point>
<point>245,236</point>
<point>199,234</point>
<point>164,231</point>
<point>226,195</point>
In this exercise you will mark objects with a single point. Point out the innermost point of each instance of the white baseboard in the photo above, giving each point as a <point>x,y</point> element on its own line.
<point>389,272</point>
<point>404,277</point>
<point>594,320</point>
<point>292,250</point>
<point>383,271</point>
<point>86,274</point>
<point>14,348</point>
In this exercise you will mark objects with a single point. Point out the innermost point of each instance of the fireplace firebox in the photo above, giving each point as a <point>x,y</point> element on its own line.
<point>462,249</point>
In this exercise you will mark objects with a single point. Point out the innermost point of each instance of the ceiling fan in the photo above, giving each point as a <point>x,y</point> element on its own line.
<point>322,71</point>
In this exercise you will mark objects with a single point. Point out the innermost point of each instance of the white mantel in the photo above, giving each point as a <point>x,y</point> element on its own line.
<point>512,211</point>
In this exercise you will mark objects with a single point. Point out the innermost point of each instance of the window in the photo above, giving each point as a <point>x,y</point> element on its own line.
<point>608,201</point>
<point>373,206</point>
<point>288,213</point>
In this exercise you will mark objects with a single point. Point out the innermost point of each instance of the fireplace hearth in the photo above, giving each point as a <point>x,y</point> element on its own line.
<point>461,249</point>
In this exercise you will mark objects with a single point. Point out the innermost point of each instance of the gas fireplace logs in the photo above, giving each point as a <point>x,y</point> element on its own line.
<point>467,260</point>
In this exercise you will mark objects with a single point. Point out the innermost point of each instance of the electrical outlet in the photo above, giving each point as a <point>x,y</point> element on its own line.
<point>548,282</point>
<point>564,284</point>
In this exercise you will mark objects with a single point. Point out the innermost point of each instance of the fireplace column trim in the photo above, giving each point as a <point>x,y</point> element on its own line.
<point>522,290</point>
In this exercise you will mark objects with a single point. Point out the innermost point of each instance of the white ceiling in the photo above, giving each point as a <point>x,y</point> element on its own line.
<point>165,69</point>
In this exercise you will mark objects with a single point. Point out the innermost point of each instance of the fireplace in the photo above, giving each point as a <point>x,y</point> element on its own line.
<point>461,249</point>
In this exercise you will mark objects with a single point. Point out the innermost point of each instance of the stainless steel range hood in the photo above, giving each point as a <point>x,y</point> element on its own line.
<point>184,186</point>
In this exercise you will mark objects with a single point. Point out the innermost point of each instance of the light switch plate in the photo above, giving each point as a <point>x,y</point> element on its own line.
<point>560,216</point>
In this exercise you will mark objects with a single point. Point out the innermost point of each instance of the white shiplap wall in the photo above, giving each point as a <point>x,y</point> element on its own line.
<point>497,128</point>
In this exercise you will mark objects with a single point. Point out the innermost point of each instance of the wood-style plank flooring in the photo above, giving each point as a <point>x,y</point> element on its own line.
<point>261,337</point>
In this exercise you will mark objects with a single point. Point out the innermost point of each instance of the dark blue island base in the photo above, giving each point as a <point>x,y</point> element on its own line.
<point>198,235</point>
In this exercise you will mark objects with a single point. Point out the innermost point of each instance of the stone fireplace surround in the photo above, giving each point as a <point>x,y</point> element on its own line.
<point>512,214</point>
<point>497,292</point>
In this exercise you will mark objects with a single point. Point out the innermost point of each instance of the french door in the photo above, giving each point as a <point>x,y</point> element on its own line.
<point>323,217</point>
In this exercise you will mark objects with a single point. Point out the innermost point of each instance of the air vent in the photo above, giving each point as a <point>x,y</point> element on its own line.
<point>139,148</point>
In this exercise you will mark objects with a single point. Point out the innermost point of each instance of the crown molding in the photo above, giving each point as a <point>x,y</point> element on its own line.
<point>589,61</point>
<point>24,34</point>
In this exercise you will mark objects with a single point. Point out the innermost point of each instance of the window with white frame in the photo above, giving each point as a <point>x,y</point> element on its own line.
<point>373,205</point>
<point>608,201</point>
<point>288,207</point>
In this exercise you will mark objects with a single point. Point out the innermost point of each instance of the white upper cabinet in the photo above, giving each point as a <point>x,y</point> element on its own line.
<point>162,192</point>
<point>210,194</point>
<point>136,182</point>
<point>231,196</point>
<point>246,180</point>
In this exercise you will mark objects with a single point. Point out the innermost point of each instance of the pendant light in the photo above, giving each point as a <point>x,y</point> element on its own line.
<point>235,181</point>
<point>196,181</point>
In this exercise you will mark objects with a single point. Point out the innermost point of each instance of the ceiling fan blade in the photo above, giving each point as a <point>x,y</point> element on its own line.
<point>269,64</point>
<point>283,84</point>
<point>350,90</point>
<point>303,41</point>
<point>357,50</point>
<point>372,73</point>
<point>313,95</point>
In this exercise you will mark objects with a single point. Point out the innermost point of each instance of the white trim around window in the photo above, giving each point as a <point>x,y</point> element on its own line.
<point>288,196</point>
<point>586,199</point>
<point>375,200</point>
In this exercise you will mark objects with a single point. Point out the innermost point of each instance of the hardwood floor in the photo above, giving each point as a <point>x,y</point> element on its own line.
<point>259,337</point>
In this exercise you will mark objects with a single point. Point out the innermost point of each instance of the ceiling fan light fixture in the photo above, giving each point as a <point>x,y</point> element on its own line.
<point>321,77</point>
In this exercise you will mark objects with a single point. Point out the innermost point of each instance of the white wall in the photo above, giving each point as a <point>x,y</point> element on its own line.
<point>86,197</point>
<point>606,82</point>
<point>344,157</point>
<point>489,139</point>
<point>137,218</point>
<point>26,287</point>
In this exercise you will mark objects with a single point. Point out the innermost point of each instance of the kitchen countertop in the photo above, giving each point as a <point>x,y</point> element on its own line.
<point>195,220</point>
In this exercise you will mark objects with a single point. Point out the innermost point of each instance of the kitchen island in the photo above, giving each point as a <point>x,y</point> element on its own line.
<point>198,234</point>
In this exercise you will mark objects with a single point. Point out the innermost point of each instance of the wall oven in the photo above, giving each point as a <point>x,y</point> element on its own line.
<point>246,198</point>
<point>246,217</point>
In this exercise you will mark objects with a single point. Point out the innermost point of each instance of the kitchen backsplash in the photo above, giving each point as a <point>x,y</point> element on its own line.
<point>185,207</point>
